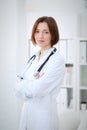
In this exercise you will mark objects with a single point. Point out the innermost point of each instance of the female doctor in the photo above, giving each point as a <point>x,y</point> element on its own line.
<point>40,84</point>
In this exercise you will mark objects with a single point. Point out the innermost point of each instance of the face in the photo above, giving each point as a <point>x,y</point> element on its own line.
<point>43,36</point>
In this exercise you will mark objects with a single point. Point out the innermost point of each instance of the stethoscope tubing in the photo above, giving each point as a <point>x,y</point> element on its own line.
<point>29,63</point>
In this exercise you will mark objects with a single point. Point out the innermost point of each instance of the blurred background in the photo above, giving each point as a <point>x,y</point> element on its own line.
<point>16,20</point>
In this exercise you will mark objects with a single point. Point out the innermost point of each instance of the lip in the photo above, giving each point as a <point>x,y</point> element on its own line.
<point>40,41</point>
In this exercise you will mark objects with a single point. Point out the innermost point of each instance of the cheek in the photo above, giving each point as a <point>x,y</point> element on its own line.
<point>49,38</point>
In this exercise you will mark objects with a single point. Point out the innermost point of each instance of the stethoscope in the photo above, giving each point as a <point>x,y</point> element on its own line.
<point>36,74</point>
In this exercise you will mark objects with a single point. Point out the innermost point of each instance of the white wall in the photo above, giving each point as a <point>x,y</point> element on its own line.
<point>13,54</point>
<point>22,36</point>
<point>8,54</point>
<point>75,6</point>
<point>70,15</point>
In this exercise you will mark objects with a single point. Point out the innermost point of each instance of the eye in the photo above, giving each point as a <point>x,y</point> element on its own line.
<point>46,32</point>
<point>37,31</point>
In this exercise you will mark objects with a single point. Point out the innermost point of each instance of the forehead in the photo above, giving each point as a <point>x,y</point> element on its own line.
<point>42,25</point>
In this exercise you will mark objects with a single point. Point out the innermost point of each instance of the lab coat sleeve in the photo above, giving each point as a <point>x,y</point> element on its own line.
<point>52,78</point>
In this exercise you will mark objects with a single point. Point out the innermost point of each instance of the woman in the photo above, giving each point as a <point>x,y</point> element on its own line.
<point>41,82</point>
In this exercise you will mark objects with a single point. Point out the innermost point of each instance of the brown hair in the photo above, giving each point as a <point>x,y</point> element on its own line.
<point>53,28</point>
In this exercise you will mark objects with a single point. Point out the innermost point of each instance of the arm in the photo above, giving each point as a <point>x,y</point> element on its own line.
<point>54,73</point>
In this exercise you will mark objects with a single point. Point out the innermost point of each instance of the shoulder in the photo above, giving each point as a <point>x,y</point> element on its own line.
<point>58,57</point>
<point>56,61</point>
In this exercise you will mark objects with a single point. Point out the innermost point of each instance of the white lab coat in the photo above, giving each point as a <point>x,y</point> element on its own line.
<point>39,94</point>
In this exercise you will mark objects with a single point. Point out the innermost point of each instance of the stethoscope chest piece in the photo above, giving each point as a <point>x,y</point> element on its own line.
<point>36,74</point>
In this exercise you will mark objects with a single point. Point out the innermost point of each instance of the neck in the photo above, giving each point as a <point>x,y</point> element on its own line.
<point>42,51</point>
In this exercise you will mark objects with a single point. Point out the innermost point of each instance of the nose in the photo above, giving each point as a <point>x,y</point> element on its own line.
<point>40,35</point>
